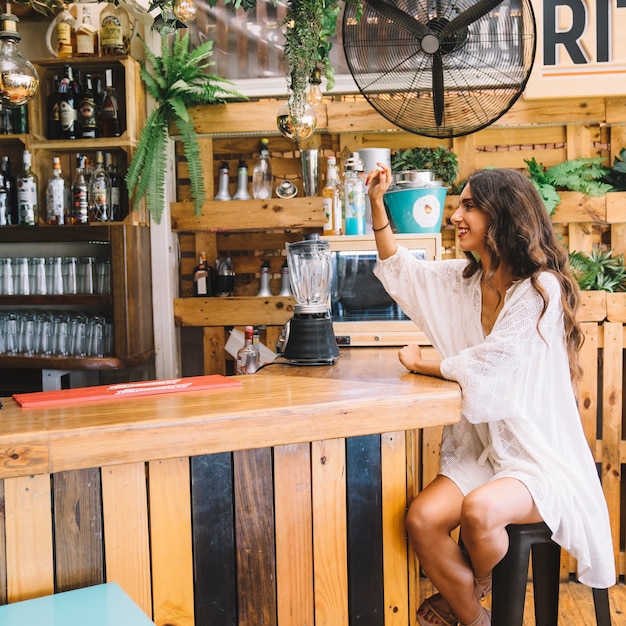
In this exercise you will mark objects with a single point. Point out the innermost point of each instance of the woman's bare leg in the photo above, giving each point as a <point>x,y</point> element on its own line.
<point>486,512</point>
<point>483,514</point>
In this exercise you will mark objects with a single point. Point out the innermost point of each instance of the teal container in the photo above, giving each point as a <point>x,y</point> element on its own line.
<point>415,209</point>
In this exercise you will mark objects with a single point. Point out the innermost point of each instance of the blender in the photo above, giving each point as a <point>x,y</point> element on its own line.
<point>309,335</point>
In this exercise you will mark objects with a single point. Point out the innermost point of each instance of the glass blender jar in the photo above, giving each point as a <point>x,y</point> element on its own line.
<point>309,335</point>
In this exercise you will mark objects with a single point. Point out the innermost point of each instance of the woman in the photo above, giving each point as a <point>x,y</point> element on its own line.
<point>503,319</point>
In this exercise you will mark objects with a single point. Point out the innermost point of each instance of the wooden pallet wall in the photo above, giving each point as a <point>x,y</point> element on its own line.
<point>551,131</point>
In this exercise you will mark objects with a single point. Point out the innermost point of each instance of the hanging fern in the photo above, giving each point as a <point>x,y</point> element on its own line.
<point>583,175</point>
<point>178,80</point>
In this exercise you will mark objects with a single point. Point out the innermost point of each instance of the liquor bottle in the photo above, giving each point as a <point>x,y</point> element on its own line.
<point>54,114</point>
<point>225,281</point>
<point>55,195</point>
<point>68,105</point>
<point>285,280</point>
<point>242,182</point>
<point>264,289</point>
<point>27,193</point>
<point>5,215</point>
<point>114,30</point>
<point>248,357</point>
<point>223,194</point>
<point>99,192</point>
<point>10,185</point>
<point>19,119</point>
<point>86,36</point>
<point>203,278</point>
<point>262,174</point>
<point>66,33</point>
<point>79,194</point>
<point>109,112</point>
<point>331,200</point>
<point>88,112</point>
<point>117,200</point>
<point>354,196</point>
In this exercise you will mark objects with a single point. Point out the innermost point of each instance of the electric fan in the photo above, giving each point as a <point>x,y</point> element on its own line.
<point>440,68</point>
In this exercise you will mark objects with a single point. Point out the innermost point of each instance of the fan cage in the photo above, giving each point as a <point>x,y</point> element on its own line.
<point>485,68</point>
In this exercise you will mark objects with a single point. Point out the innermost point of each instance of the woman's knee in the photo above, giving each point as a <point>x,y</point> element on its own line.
<point>479,513</point>
<point>425,518</point>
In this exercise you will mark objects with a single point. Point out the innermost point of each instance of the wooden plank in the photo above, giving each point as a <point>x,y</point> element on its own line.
<point>213,344</point>
<point>576,207</point>
<point>78,531</point>
<point>294,534</point>
<point>612,423</point>
<point>592,306</point>
<point>127,542</point>
<point>395,548</point>
<point>170,540</point>
<point>616,215</point>
<point>29,554</point>
<point>330,548</point>
<point>213,524</point>
<point>616,307</point>
<point>230,311</point>
<point>588,386</point>
<point>365,558</point>
<point>578,141</point>
<point>258,214</point>
<point>431,445</point>
<point>254,524</point>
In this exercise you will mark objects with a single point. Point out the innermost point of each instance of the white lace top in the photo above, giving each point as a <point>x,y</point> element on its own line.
<point>520,417</point>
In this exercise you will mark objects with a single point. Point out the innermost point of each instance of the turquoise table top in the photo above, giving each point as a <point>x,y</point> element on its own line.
<point>101,605</point>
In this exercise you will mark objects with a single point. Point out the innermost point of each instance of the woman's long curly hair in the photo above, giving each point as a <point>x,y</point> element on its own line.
<point>520,236</point>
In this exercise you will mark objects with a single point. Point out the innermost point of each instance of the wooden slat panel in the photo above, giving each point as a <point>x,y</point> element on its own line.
<point>588,386</point>
<point>78,536</point>
<point>28,517</point>
<point>365,558</point>
<point>251,214</point>
<point>612,424</point>
<point>127,542</point>
<point>170,540</point>
<point>395,554</point>
<point>230,312</point>
<point>294,534</point>
<point>254,523</point>
<point>213,347</point>
<point>213,523</point>
<point>330,548</point>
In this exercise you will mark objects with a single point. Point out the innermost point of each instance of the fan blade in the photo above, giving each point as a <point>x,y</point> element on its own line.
<point>438,90</point>
<point>399,18</point>
<point>469,16</point>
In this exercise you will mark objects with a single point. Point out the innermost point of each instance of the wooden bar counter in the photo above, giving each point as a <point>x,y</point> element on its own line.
<point>280,502</point>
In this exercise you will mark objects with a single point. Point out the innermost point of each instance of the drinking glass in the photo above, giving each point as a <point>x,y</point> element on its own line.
<point>54,275</point>
<point>103,276</point>
<point>20,276</point>
<point>70,278</point>
<point>37,275</point>
<point>77,335</point>
<point>85,274</point>
<point>60,327</point>
<point>96,336</point>
<point>26,338</point>
<point>310,171</point>
<point>6,277</point>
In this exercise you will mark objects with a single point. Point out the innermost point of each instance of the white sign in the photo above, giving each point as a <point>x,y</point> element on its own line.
<point>581,49</point>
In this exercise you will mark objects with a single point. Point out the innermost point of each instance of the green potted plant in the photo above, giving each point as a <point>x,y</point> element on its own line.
<point>584,175</point>
<point>178,80</point>
<point>441,160</point>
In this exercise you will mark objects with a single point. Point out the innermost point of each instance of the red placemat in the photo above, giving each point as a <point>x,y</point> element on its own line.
<point>123,390</point>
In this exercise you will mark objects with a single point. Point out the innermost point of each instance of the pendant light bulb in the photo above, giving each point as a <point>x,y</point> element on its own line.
<point>19,80</point>
<point>185,10</point>
<point>301,127</point>
<point>314,95</point>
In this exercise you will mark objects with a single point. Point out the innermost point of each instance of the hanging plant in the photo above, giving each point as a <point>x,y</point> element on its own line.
<point>178,80</point>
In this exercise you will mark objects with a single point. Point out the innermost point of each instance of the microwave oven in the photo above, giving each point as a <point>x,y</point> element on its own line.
<point>363,313</point>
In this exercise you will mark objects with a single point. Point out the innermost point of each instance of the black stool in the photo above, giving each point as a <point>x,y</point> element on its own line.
<point>511,573</point>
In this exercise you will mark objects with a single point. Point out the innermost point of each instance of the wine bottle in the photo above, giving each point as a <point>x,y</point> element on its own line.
<point>88,111</point>
<point>331,200</point>
<point>27,193</point>
<point>117,200</point>
<point>68,105</point>
<point>66,33</point>
<point>203,278</point>
<point>10,185</point>
<point>99,192</point>
<point>5,215</point>
<point>79,193</point>
<point>113,30</point>
<point>55,195</point>
<point>109,111</point>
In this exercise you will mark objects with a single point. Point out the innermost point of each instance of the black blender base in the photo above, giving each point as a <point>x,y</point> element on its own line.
<point>311,341</point>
